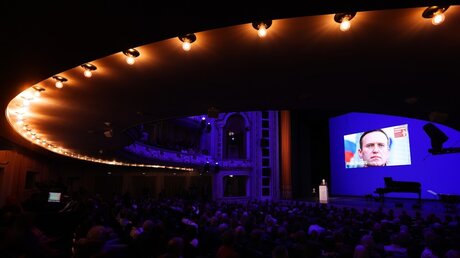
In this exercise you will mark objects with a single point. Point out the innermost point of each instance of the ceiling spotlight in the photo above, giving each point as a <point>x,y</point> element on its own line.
<point>344,20</point>
<point>59,81</point>
<point>38,91</point>
<point>89,68</point>
<point>261,27</point>
<point>435,13</point>
<point>131,54</point>
<point>26,101</point>
<point>187,41</point>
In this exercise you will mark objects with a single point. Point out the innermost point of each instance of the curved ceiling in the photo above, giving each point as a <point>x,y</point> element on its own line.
<point>391,61</point>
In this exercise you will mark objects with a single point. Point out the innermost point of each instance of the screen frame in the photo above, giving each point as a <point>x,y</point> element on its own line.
<point>398,145</point>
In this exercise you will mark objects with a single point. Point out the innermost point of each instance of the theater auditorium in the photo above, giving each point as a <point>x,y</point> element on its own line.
<point>187,129</point>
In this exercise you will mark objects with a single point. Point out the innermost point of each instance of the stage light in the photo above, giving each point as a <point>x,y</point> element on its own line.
<point>187,41</point>
<point>59,81</point>
<point>344,20</point>
<point>38,91</point>
<point>262,27</point>
<point>131,55</point>
<point>435,13</point>
<point>89,68</point>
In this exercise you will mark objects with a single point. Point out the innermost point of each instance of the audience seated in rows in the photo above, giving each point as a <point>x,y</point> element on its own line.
<point>173,227</point>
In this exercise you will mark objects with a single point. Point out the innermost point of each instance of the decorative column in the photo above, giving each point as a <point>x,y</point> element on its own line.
<point>286,178</point>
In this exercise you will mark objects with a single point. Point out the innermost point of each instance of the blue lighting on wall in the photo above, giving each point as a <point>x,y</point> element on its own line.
<point>438,173</point>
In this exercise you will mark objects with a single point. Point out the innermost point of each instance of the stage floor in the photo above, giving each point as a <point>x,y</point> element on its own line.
<point>411,206</point>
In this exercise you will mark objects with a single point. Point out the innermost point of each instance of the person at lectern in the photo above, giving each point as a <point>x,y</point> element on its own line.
<point>374,148</point>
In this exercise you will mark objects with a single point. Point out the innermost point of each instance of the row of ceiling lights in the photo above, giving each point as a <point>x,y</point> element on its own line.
<point>20,110</point>
<point>436,13</point>
<point>131,54</point>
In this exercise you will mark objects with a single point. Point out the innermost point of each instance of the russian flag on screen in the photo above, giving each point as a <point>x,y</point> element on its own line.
<point>350,148</point>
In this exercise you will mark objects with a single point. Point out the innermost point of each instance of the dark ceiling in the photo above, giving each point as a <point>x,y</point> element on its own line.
<point>391,61</point>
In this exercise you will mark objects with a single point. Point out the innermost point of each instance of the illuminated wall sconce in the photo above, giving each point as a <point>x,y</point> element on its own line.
<point>344,20</point>
<point>187,41</point>
<point>59,81</point>
<point>131,54</point>
<point>89,68</point>
<point>38,91</point>
<point>262,27</point>
<point>435,13</point>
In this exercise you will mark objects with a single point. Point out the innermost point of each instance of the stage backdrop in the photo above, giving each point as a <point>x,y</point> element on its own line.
<point>409,159</point>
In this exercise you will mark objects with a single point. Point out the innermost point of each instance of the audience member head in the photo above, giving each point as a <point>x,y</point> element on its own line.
<point>367,241</point>
<point>452,253</point>
<point>175,246</point>
<point>97,233</point>
<point>240,231</point>
<point>227,237</point>
<point>280,251</point>
<point>148,226</point>
<point>360,252</point>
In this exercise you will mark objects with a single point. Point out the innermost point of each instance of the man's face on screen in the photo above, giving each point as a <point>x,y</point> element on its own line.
<point>375,150</point>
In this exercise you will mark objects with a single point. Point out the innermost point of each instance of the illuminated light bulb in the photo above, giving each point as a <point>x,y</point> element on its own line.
<point>187,41</point>
<point>23,110</point>
<point>438,19</point>
<point>130,60</point>
<point>59,84</point>
<point>344,20</point>
<point>89,68</point>
<point>345,25</point>
<point>131,54</point>
<point>262,31</point>
<point>435,13</point>
<point>88,73</point>
<point>37,91</point>
<point>186,46</point>
<point>59,81</point>
<point>262,27</point>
